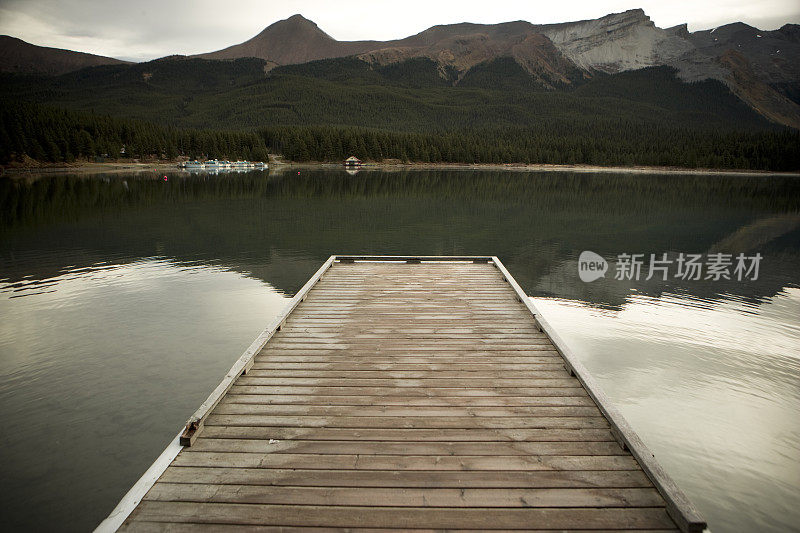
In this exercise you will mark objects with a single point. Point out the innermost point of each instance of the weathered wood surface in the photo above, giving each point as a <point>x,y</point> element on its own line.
<point>411,396</point>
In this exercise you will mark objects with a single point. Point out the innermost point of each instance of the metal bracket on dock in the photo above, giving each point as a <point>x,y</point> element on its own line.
<point>191,432</point>
<point>414,258</point>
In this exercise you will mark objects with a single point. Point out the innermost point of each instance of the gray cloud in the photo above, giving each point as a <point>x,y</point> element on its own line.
<point>147,29</point>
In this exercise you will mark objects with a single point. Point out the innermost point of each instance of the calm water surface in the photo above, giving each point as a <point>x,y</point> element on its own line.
<point>124,299</point>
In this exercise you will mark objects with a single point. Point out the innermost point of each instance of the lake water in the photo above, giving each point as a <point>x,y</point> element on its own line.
<point>125,298</point>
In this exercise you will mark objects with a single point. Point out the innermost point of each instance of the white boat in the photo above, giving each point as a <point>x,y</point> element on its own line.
<point>193,165</point>
<point>212,164</point>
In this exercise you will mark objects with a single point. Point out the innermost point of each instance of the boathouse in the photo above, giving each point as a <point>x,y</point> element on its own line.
<point>352,162</point>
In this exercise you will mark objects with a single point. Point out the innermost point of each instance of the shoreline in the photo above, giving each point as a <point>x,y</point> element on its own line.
<point>546,167</point>
<point>160,166</point>
<point>91,168</point>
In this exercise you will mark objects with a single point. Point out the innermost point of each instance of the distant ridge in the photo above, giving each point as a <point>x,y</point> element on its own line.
<point>18,56</point>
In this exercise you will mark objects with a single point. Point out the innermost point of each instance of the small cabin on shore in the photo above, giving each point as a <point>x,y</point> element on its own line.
<point>352,162</point>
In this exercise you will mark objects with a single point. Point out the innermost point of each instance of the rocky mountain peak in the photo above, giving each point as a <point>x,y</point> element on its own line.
<point>681,30</point>
<point>616,42</point>
<point>295,27</point>
<point>296,22</point>
<point>297,17</point>
<point>631,16</point>
<point>289,41</point>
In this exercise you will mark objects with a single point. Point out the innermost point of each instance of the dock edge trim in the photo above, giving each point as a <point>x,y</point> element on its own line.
<point>678,505</point>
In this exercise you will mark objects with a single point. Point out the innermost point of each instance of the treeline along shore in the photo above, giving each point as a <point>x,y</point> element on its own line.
<point>50,134</point>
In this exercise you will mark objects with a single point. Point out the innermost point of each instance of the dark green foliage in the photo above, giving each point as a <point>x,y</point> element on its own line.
<point>408,96</point>
<point>328,110</point>
<point>614,142</point>
<point>48,134</point>
<point>660,87</point>
<point>340,69</point>
<point>165,90</point>
<point>418,73</point>
<point>503,73</point>
<point>789,90</point>
<point>172,74</point>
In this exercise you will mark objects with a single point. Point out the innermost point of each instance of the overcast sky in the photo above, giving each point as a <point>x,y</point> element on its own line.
<point>146,29</point>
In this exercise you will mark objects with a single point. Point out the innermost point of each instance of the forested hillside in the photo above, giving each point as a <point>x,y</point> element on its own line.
<point>50,134</point>
<point>410,96</point>
<point>411,111</point>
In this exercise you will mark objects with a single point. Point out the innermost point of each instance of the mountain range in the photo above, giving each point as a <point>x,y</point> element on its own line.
<point>762,68</point>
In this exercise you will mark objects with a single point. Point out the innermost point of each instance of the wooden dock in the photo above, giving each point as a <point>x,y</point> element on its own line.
<point>407,393</point>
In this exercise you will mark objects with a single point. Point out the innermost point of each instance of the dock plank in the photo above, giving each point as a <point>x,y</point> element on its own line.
<point>226,408</point>
<point>485,518</point>
<point>404,462</point>
<point>409,478</point>
<point>385,447</point>
<point>394,497</point>
<point>409,422</point>
<point>431,366</point>
<point>235,395</point>
<point>143,526</point>
<point>494,435</point>
<point>409,391</point>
